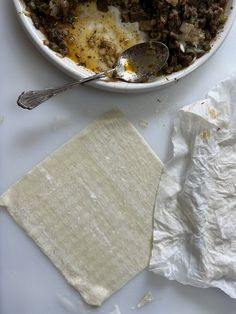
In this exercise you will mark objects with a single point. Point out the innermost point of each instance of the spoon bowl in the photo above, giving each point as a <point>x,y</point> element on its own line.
<point>141,62</point>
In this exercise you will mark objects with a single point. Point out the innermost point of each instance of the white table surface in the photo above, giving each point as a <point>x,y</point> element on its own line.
<point>29,283</point>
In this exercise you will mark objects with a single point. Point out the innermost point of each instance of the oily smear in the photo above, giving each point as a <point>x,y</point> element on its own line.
<point>97,38</point>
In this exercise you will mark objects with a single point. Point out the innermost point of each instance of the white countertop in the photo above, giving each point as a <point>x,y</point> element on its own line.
<point>29,283</point>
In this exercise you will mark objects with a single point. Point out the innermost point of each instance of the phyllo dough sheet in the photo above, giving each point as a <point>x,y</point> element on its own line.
<point>89,206</point>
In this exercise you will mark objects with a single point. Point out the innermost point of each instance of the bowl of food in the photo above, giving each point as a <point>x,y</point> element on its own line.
<point>83,37</point>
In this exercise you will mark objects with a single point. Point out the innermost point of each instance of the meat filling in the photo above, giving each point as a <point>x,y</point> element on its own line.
<point>187,27</point>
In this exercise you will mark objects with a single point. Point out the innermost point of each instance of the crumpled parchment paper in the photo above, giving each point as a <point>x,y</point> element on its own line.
<point>194,237</point>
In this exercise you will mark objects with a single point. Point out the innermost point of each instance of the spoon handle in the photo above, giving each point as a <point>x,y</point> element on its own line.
<point>31,99</point>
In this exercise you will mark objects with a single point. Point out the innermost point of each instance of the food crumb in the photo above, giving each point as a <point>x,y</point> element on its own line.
<point>205,135</point>
<point>143,123</point>
<point>24,12</point>
<point>146,299</point>
<point>59,122</point>
<point>213,113</point>
<point>46,42</point>
<point>116,310</point>
<point>1,119</point>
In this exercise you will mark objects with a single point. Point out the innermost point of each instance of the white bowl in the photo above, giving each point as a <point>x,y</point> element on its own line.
<point>78,72</point>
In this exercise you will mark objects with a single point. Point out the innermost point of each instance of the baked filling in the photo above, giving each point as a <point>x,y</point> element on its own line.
<point>94,33</point>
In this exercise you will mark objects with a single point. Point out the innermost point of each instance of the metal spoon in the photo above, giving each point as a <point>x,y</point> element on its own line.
<point>136,64</point>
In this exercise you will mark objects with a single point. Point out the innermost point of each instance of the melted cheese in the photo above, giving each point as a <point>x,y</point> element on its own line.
<point>97,38</point>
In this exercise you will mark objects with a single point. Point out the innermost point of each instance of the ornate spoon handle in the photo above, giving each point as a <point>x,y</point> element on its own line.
<point>31,99</point>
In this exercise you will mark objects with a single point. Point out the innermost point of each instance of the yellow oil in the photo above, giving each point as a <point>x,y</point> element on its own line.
<point>129,67</point>
<point>97,38</point>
